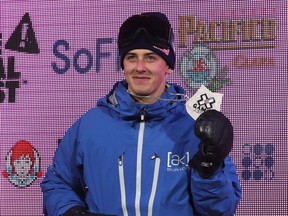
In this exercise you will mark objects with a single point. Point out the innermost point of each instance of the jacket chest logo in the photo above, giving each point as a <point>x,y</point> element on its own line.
<point>176,162</point>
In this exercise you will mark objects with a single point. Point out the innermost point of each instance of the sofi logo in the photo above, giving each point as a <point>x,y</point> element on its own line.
<point>83,60</point>
<point>177,162</point>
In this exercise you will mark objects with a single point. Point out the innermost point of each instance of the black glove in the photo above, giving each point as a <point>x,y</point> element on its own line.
<point>80,211</point>
<point>216,134</point>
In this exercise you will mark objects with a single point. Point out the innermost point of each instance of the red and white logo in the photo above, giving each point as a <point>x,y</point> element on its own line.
<point>22,164</point>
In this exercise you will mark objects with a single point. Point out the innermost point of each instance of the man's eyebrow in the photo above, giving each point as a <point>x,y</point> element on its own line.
<point>130,53</point>
<point>150,53</point>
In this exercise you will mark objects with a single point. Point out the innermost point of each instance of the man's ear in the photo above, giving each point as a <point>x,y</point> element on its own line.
<point>169,71</point>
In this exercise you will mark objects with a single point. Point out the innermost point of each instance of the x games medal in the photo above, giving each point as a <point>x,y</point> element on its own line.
<point>203,100</point>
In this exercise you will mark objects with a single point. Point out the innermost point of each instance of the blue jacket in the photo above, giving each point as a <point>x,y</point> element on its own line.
<point>124,158</point>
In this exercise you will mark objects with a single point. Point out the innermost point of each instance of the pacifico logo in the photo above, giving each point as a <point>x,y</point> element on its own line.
<point>229,34</point>
<point>199,65</point>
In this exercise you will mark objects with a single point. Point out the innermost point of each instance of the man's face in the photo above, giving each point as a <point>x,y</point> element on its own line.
<point>145,73</point>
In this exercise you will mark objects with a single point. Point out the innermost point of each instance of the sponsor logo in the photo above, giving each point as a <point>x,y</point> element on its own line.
<point>245,61</point>
<point>176,163</point>
<point>22,164</point>
<point>199,66</point>
<point>204,103</point>
<point>84,59</point>
<point>258,161</point>
<point>21,40</point>
<point>229,34</point>
<point>165,51</point>
<point>9,80</point>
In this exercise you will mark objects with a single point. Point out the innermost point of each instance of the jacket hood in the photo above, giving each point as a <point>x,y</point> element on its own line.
<point>120,102</point>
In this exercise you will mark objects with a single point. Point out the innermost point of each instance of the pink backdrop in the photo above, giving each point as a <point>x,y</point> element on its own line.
<point>59,57</point>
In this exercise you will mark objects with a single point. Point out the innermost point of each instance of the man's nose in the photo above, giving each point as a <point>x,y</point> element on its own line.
<point>140,65</point>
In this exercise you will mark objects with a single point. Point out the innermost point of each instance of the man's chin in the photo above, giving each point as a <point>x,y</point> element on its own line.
<point>139,93</point>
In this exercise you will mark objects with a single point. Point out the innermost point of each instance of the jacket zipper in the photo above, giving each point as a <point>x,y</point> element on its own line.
<point>122,185</point>
<point>154,184</point>
<point>138,176</point>
<point>139,166</point>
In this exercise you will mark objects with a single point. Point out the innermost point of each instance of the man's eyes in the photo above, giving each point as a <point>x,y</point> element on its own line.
<point>130,57</point>
<point>150,57</point>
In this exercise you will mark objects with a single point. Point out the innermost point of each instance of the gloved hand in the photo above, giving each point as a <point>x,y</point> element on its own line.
<point>80,211</point>
<point>216,134</point>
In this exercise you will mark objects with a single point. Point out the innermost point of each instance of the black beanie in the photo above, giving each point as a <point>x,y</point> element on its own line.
<point>147,31</point>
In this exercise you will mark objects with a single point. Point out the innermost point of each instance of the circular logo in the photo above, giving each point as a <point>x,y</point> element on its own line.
<point>198,66</point>
<point>22,164</point>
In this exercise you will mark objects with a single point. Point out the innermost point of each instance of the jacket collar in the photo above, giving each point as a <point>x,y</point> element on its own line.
<point>123,104</point>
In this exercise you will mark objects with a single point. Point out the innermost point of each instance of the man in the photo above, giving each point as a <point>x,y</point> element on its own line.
<point>139,152</point>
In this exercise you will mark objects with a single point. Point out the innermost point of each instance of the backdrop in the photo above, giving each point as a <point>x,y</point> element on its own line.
<point>58,57</point>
